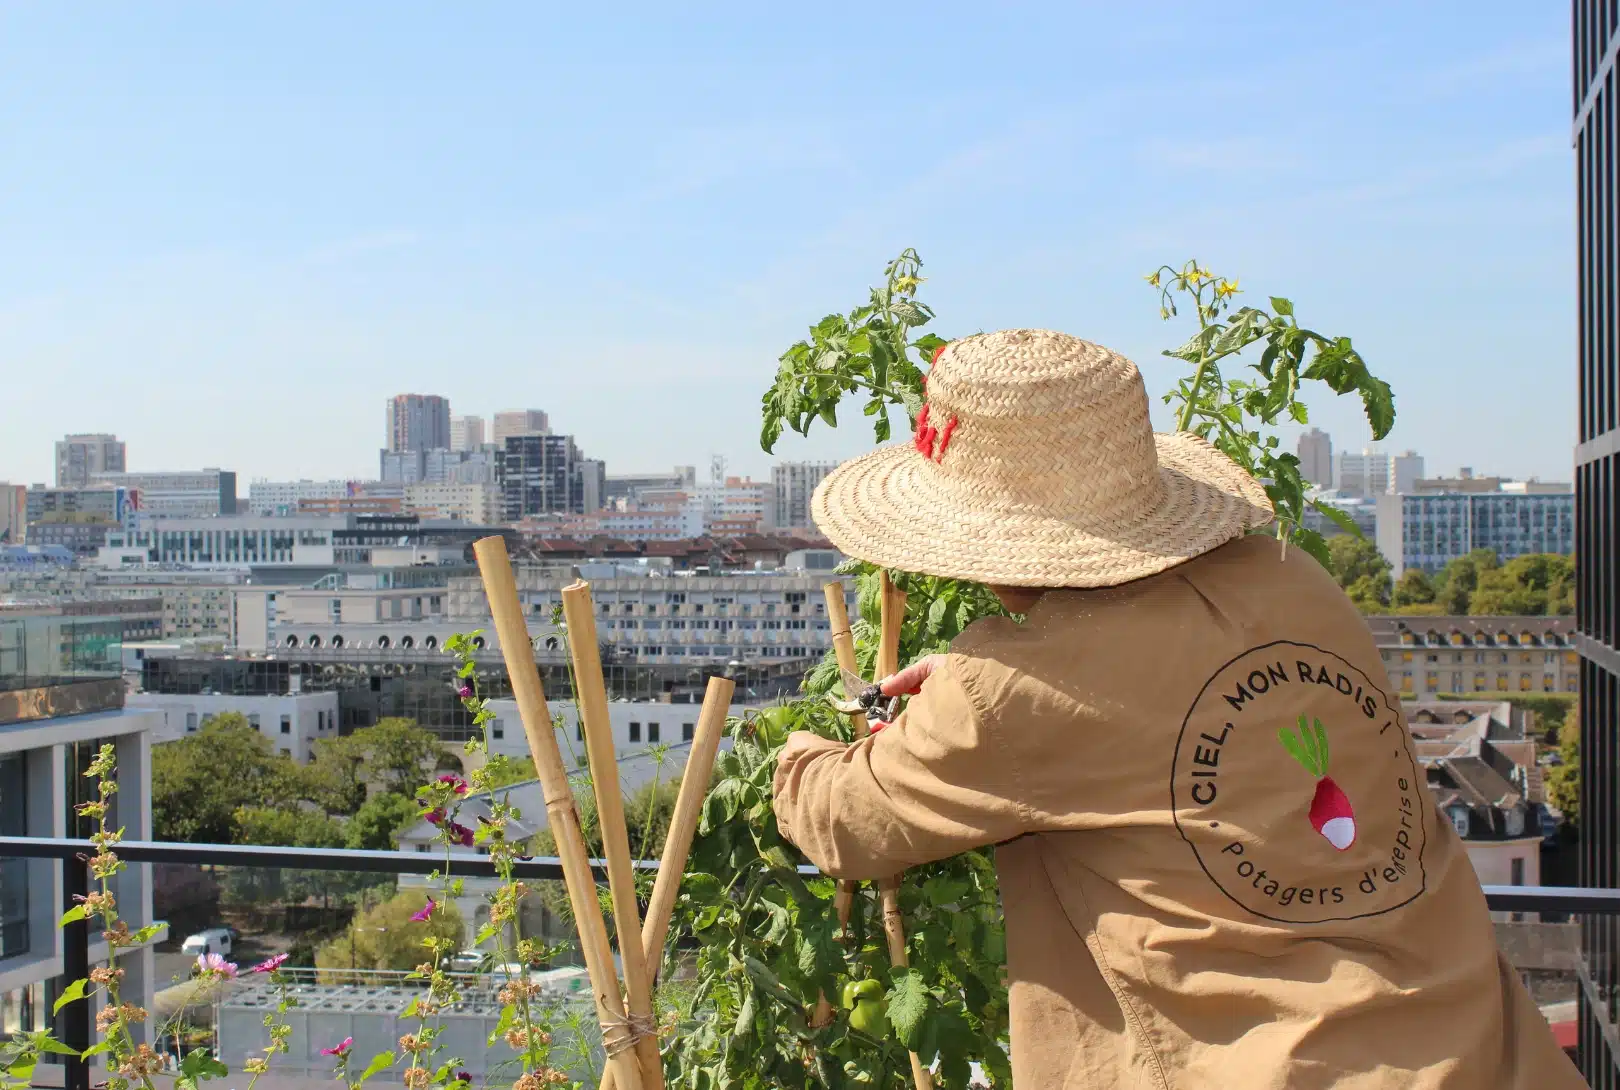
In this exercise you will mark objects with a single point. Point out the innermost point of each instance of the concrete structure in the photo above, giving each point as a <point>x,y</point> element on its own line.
<point>1428,531</point>
<point>676,522</point>
<point>475,503</point>
<point>1316,457</point>
<point>1465,481</point>
<point>78,457</point>
<point>241,541</point>
<point>512,422</point>
<point>51,726</point>
<point>193,494</point>
<point>1361,510</point>
<point>792,484</point>
<point>283,497</point>
<point>1425,656</point>
<point>466,433</point>
<point>13,513</point>
<point>418,422</point>
<point>621,489</point>
<point>292,722</point>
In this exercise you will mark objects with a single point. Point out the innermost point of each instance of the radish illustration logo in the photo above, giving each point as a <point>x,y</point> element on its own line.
<point>1331,813</point>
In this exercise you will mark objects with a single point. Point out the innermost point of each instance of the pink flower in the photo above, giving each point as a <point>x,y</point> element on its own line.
<point>465,692</point>
<point>461,833</point>
<point>458,784</point>
<point>462,1076</point>
<point>421,915</point>
<point>269,965</point>
<point>434,816</point>
<point>216,966</point>
<point>341,1050</point>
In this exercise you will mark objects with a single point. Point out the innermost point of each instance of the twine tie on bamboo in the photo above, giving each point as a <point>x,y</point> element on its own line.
<point>623,1034</point>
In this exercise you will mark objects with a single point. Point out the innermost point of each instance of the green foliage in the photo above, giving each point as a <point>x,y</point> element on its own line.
<point>201,781</point>
<point>1235,414</point>
<point>1534,585</point>
<point>379,821</point>
<point>385,936</point>
<point>289,827</point>
<point>1564,780</point>
<point>392,755</point>
<point>1414,588</point>
<point>1361,570</point>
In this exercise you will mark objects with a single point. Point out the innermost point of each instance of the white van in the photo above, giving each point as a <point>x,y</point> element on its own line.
<point>215,940</point>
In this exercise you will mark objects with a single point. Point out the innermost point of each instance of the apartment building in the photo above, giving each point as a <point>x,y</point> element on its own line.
<point>1425,656</point>
<point>512,422</point>
<point>195,494</point>
<point>792,485</point>
<point>475,503</point>
<point>61,700</point>
<point>466,433</point>
<point>1428,531</point>
<point>80,456</point>
<point>266,498</point>
<point>547,474</point>
<point>1375,473</point>
<point>1315,451</point>
<point>418,422</point>
<point>293,722</point>
<point>13,513</point>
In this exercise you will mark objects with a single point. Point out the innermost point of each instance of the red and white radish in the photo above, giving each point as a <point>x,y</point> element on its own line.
<point>1330,813</point>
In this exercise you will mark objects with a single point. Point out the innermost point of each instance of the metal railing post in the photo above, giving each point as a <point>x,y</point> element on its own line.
<point>73,1022</point>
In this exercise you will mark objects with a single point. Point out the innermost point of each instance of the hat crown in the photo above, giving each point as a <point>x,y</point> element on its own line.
<point>1045,421</point>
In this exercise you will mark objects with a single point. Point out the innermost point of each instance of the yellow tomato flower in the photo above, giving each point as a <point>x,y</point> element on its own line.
<point>1153,279</point>
<point>1228,287</point>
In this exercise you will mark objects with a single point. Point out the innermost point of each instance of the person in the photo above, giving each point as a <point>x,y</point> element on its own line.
<point>1219,859</point>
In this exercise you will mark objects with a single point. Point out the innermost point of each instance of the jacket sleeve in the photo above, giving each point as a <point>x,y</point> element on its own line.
<point>935,783</point>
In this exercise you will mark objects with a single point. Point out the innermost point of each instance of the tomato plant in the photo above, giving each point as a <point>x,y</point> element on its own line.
<point>768,940</point>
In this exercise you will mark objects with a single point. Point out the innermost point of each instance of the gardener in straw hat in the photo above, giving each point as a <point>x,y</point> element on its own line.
<point>1220,863</point>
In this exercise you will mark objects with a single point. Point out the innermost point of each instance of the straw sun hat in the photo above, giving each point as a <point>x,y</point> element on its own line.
<point>1035,464</point>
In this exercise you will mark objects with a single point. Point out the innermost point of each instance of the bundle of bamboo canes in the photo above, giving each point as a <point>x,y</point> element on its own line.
<point>629,1033</point>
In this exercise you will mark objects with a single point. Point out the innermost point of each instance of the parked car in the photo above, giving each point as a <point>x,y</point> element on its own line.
<point>215,940</point>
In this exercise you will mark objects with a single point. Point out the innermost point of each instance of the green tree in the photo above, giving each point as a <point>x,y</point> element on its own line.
<point>335,779</point>
<point>1533,585</point>
<point>201,781</point>
<point>1455,585</point>
<point>379,821</point>
<point>1414,588</point>
<point>1564,780</point>
<point>394,755</point>
<point>647,814</point>
<point>287,827</point>
<point>385,937</point>
<point>1361,570</point>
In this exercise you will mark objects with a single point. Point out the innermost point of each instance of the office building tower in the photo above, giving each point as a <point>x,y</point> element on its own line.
<point>1316,458</point>
<point>519,422</point>
<point>792,485</point>
<point>466,433</point>
<point>78,457</point>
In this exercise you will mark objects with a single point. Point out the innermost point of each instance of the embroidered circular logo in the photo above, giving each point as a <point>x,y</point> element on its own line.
<point>1294,783</point>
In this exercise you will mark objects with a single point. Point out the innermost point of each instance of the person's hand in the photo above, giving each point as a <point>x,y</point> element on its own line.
<point>909,681</point>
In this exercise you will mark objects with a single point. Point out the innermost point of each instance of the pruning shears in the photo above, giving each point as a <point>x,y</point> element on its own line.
<point>869,700</point>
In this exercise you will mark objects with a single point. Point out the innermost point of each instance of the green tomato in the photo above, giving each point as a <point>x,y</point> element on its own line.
<point>857,990</point>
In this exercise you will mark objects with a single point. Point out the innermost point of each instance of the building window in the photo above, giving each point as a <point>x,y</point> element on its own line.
<point>286,724</point>
<point>191,722</point>
<point>652,732</point>
<point>13,872</point>
<point>1459,820</point>
<point>497,729</point>
<point>686,732</point>
<point>253,720</point>
<point>635,732</point>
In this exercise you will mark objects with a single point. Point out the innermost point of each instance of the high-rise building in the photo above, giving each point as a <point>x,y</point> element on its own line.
<point>1374,473</point>
<point>78,457</point>
<point>519,422</point>
<point>466,432</point>
<point>1316,458</point>
<point>418,422</point>
<point>792,485</point>
<point>1597,505</point>
<point>1428,530</point>
<point>13,513</point>
<point>545,474</point>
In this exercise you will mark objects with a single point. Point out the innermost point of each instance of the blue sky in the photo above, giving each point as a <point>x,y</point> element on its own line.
<point>229,232</point>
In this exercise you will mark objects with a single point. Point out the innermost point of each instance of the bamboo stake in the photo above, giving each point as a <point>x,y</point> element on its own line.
<point>507,611</point>
<point>892,606</point>
<point>688,808</point>
<point>844,648</point>
<point>579,613</point>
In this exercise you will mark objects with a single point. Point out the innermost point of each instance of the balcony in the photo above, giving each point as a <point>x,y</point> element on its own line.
<point>53,666</point>
<point>319,906</point>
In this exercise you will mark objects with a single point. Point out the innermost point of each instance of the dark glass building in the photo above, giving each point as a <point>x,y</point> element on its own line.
<point>1597,550</point>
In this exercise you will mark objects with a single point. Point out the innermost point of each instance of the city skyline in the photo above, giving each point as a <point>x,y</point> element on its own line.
<point>276,257</point>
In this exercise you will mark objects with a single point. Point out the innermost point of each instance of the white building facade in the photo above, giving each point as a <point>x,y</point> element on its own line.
<point>292,723</point>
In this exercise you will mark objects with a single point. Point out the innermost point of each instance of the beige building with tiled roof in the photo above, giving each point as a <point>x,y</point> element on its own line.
<point>1426,656</point>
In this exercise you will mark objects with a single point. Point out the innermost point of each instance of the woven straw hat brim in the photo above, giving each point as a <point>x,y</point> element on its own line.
<point>896,509</point>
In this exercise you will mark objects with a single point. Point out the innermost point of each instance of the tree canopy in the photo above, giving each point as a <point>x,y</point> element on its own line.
<point>1478,584</point>
<point>386,937</point>
<point>201,781</point>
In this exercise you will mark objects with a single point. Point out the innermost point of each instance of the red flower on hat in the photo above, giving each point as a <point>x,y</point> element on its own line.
<point>929,440</point>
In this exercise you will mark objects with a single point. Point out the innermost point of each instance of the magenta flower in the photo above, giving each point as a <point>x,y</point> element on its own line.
<point>456,783</point>
<point>462,1076</point>
<point>422,914</point>
<point>461,833</point>
<point>341,1050</point>
<point>269,965</point>
<point>434,816</point>
<point>216,966</point>
<point>465,692</point>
